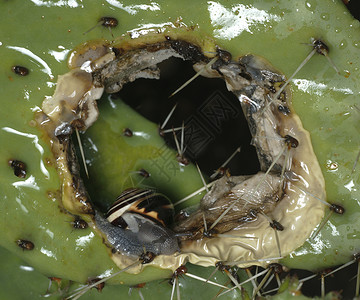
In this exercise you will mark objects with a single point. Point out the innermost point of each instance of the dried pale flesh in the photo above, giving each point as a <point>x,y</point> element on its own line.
<point>264,216</point>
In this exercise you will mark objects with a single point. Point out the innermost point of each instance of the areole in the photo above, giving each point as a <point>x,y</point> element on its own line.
<point>244,214</point>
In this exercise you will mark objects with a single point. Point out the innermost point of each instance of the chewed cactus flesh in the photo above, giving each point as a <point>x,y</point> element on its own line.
<point>42,183</point>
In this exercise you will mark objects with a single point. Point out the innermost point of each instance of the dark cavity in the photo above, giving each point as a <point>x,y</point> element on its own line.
<point>214,122</point>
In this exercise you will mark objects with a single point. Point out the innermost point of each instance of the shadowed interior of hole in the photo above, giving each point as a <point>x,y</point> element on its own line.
<point>343,281</point>
<point>214,122</point>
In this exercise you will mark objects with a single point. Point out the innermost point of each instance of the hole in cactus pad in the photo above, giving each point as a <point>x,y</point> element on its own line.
<point>214,122</point>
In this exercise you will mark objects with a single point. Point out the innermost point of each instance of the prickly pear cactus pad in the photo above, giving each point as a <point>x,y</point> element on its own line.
<point>47,202</point>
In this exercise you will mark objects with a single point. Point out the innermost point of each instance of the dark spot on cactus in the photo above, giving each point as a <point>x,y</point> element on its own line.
<point>109,22</point>
<point>147,257</point>
<point>271,88</point>
<point>182,159</point>
<point>321,47</point>
<point>19,70</point>
<point>357,256</point>
<point>221,266</point>
<point>277,268</point>
<point>56,279</point>
<point>58,282</point>
<point>144,173</point>
<point>227,269</point>
<point>128,132</point>
<point>222,171</point>
<point>139,285</point>
<point>161,132</point>
<point>284,109</point>
<point>25,245</point>
<point>337,209</point>
<point>178,272</point>
<point>99,286</point>
<point>79,223</point>
<point>291,142</point>
<point>19,168</point>
<point>276,225</point>
<point>224,55</point>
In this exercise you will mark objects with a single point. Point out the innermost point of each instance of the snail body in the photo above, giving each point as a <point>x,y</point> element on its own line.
<point>138,221</point>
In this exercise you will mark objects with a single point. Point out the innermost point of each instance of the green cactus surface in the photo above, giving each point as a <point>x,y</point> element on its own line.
<point>40,35</point>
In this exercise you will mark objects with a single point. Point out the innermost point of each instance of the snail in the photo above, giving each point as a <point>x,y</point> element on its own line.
<point>138,221</point>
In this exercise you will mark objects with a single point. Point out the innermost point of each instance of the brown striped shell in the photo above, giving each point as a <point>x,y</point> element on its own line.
<point>143,202</point>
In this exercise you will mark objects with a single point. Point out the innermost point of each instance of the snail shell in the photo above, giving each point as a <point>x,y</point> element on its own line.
<point>141,202</point>
<point>138,220</point>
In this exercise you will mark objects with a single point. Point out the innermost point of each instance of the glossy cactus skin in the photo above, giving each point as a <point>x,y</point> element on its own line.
<point>324,100</point>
